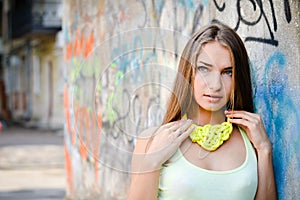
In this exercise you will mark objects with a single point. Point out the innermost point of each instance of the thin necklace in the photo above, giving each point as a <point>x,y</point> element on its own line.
<point>201,157</point>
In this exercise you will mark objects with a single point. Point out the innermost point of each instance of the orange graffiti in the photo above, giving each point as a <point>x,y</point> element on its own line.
<point>67,109</point>
<point>89,132</point>
<point>68,165</point>
<point>84,124</point>
<point>96,145</point>
<point>76,114</point>
<point>80,46</point>
<point>89,45</point>
<point>69,51</point>
<point>73,136</point>
<point>68,162</point>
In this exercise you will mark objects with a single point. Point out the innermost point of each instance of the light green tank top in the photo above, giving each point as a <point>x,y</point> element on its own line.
<point>182,180</point>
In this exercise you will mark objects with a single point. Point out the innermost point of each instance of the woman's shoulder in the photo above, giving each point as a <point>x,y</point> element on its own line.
<point>144,138</point>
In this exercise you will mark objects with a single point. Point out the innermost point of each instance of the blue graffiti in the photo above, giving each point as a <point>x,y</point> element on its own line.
<point>272,98</point>
<point>130,59</point>
<point>205,3</point>
<point>186,3</point>
<point>136,58</point>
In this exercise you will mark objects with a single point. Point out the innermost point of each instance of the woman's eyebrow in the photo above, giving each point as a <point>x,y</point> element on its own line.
<point>211,65</point>
<point>228,68</point>
<point>207,64</point>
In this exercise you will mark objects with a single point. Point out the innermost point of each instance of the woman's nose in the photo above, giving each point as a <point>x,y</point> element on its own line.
<point>215,82</point>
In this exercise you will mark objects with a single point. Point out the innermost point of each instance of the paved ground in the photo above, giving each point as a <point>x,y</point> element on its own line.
<point>31,164</point>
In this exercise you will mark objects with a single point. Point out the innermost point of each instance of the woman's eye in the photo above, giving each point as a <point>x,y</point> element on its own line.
<point>228,72</point>
<point>202,69</point>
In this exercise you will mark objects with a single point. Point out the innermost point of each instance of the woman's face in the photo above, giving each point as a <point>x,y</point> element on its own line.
<point>213,77</point>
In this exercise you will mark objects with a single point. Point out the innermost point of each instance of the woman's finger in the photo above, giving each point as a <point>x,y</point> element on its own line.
<point>186,133</point>
<point>241,122</point>
<point>170,124</point>
<point>250,120</point>
<point>241,114</point>
<point>167,128</point>
<point>184,125</point>
<point>179,125</point>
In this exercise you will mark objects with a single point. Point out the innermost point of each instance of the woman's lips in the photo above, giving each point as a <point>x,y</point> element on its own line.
<point>213,98</point>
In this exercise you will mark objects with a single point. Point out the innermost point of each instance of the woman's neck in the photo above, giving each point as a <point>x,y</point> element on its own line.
<point>203,117</point>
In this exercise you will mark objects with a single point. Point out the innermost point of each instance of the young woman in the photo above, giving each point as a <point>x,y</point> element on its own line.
<point>210,145</point>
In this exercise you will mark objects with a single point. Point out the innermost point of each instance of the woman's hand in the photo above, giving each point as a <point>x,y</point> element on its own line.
<point>254,127</point>
<point>161,145</point>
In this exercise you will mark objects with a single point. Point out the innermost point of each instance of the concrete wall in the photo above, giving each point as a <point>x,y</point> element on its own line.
<point>120,59</point>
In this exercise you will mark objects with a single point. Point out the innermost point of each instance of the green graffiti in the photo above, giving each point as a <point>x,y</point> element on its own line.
<point>113,65</point>
<point>99,87</point>
<point>80,94</point>
<point>87,69</point>
<point>96,64</point>
<point>75,69</point>
<point>112,116</point>
<point>119,76</point>
<point>89,109</point>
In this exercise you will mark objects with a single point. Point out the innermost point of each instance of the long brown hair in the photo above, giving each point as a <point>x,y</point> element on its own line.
<point>182,98</point>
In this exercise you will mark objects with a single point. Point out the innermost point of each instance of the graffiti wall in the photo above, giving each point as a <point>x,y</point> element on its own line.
<point>121,59</point>
<point>271,33</point>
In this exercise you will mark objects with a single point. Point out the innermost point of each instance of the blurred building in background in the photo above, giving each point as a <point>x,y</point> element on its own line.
<point>32,76</point>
